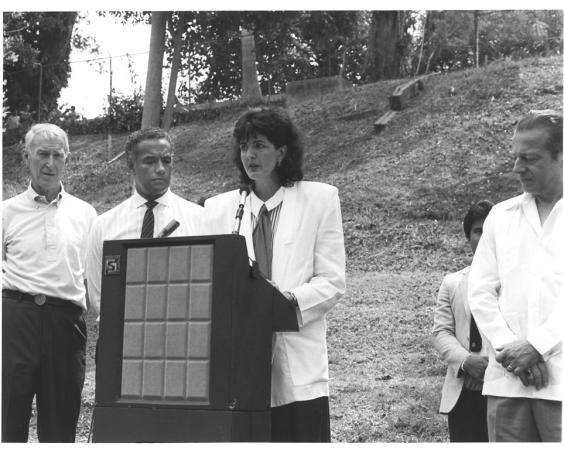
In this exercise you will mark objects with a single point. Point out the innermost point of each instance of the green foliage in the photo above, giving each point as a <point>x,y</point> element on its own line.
<point>5,107</point>
<point>39,44</point>
<point>450,42</point>
<point>124,116</point>
<point>126,112</point>
<point>290,45</point>
<point>522,33</point>
<point>327,33</point>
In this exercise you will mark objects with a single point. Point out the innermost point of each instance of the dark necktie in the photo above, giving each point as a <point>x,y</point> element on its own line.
<point>262,242</point>
<point>148,226</point>
<point>475,338</point>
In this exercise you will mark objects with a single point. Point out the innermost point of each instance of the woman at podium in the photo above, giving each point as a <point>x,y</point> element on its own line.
<point>293,230</point>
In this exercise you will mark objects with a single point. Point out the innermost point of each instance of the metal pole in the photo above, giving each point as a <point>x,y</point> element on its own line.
<point>111,99</point>
<point>110,110</point>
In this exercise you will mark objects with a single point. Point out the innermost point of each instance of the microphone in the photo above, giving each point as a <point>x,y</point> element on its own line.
<point>244,191</point>
<point>167,231</point>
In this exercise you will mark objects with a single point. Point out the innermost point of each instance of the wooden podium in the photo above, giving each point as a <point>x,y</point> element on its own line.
<point>185,342</point>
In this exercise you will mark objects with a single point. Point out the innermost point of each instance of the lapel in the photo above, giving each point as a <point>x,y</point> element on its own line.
<point>290,216</point>
<point>462,292</point>
<point>464,321</point>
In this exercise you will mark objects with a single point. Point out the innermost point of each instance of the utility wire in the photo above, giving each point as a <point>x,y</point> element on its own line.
<point>78,61</point>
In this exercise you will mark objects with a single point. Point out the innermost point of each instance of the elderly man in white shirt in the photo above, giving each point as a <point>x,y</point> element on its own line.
<point>44,231</point>
<point>516,290</point>
<point>151,207</point>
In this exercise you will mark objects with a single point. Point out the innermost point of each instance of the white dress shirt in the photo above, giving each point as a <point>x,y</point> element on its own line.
<point>124,221</point>
<point>516,291</point>
<point>273,206</point>
<point>44,244</point>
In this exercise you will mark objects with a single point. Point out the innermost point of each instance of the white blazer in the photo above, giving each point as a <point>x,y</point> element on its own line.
<point>451,333</point>
<point>308,260</point>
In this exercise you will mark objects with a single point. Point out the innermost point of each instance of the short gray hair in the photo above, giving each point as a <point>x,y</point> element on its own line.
<point>47,130</point>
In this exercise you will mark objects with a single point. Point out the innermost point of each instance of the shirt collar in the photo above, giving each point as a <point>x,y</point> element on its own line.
<point>518,202</point>
<point>38,198</point>
<point>525,199</point>
<point>138,200</point>
<point>271,203</point>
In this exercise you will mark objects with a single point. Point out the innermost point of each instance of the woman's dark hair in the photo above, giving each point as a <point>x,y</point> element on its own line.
<point>276,125</point>
<point>548,120</point>
<point>478,211</point>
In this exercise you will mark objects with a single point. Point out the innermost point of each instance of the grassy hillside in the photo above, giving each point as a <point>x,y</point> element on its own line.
<point>403,194</point>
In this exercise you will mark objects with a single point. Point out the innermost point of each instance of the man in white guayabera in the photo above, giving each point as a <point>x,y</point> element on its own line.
<point>515,290</point>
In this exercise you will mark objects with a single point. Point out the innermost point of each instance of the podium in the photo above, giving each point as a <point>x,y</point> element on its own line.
<point>185,342</point>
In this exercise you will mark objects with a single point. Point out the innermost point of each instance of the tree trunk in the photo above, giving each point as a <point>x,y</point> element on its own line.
<point>422,43</point>
<point>429,60</point>
<point>250,89</point>
<point>369,61</point>
<point>152,103</point>
<point>175,66</point>
<point>344,62</point>
<point>383,52</point>
<point>477,38</point>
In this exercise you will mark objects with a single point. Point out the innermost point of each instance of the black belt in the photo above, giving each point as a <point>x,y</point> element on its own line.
<point>38,299</point>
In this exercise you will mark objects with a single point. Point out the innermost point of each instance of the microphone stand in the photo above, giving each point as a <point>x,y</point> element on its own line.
<point>244,191</point>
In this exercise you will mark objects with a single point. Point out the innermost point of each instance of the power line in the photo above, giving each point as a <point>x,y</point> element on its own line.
<point>108,57</point>
<point>79,61</point>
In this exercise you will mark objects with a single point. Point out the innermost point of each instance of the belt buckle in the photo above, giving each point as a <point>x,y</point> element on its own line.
<point>39,299</point>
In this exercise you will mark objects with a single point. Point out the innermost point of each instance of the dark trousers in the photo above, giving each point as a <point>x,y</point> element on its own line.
<point>43,355</point>
<point>467,421</point>
<point>306,421</point>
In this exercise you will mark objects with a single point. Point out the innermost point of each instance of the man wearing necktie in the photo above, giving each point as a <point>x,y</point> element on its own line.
<point>457,338</point>
<point>152,206</point>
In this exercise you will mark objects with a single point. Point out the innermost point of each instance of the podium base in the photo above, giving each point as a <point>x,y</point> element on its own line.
<point>158,424</point>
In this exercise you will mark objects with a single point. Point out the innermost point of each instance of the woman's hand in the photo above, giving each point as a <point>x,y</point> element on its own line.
<point>272,283</point>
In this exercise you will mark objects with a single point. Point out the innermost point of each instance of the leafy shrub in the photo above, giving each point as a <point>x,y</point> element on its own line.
<point>126,112</point>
